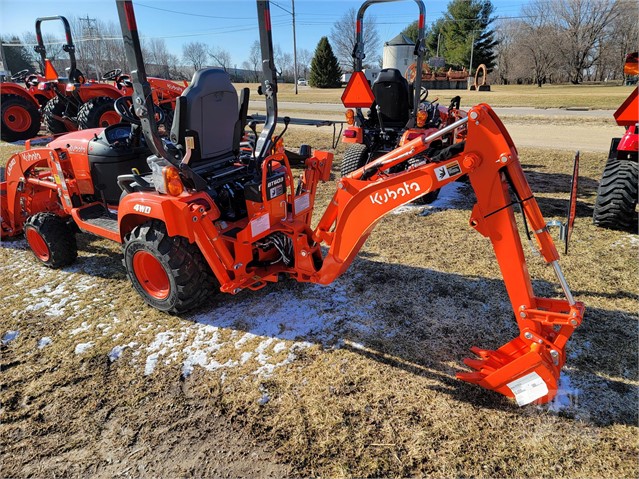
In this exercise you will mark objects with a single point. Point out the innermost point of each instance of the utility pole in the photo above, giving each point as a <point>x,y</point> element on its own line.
<point>294,47</point>
<point>90,31</point>
<point>292,13</point>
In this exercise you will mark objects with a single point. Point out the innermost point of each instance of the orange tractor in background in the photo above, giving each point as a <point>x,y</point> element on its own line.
<point>78,104</point>
<point>203,213</point>
<point>398,109</point>
<point>616,202</point>
<point>20,106</point>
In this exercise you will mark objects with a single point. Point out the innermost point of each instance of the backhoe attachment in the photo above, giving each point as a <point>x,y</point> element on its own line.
<point>527,367</point>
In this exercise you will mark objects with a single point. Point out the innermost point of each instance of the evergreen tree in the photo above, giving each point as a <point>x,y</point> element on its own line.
<point>325,70</point>
<point>412,30</point>
<point>17,57</point>
<point>464,23</point>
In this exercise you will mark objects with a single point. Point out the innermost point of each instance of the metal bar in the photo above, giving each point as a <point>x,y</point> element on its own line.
<point>563,282</point>
<point>428,139</point>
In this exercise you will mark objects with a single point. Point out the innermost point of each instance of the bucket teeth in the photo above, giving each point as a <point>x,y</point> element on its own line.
<point>479,364</point>
<point>474,377</point>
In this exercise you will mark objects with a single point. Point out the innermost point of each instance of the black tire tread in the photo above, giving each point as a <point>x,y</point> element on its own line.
<point>193,277</point>
<point>90,113</point>
<point>9,135</point>
<point>54,107</point>
<point>617,196</point>
<point>355,157</point>
<point>63,248</point>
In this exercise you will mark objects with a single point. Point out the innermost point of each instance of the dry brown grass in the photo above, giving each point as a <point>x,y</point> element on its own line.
<point>375,395</point>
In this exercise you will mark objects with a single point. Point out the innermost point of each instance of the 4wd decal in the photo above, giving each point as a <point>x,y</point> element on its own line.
<point>142,209</point>
<point>447,171</point>
<point>383,198</point>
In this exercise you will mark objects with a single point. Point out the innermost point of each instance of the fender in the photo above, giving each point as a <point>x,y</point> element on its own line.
<point>175,212</point>
<point>8,88</point>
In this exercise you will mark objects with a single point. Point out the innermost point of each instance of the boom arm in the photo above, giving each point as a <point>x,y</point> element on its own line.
<point>527,367</point>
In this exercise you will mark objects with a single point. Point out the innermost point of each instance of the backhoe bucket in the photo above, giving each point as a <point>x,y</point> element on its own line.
<point>528,367</point>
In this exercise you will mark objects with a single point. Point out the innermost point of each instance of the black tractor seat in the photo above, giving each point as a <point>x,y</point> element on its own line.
<point>392,95</point>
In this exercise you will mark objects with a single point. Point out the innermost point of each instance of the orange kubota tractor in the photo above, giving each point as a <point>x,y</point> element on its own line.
<point>398,109</point>
<point>20,106</point>
<point>200,213</point>
<point>79,104</point>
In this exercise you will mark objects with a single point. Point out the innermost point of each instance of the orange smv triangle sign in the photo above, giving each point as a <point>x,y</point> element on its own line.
<point>358,93</point>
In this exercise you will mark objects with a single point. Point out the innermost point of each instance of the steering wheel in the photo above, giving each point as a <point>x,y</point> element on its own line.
<point>21,75</point>
<point>32,80</point>
<point>124,107</point>
<point>423,93</point>
<point>124,81</point>
<point>112,74</point>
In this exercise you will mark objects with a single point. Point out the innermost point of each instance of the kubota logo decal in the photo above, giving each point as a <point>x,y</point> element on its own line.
<point>76,149</point>
<point>176,88</point>
<point>31,156</point>
<point>383,198</point>
<point>10,166</point>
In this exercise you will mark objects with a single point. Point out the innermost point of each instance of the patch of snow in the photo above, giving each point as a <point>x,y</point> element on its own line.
<point>44,342</point>
<point>567,395</point>
<point>9,336</point>
<point>279,347</point>
<point>627,240</point>
<point>83,327</point>
<point>264,399</point>
<point>116,352</point>
<point>83,347</point>
<point>245,357</point>
<point>448,197</point>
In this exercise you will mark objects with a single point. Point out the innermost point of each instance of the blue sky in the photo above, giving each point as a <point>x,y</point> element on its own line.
<point>231,25</point>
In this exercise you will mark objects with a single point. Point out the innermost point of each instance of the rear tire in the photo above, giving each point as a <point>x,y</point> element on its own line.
<point>98,113</point>
<point>55,107</point>
<point>355,156</point>
<point>167,271</point>
<point>617,196</point>
<point>51,240</point>
<point>20,118</point>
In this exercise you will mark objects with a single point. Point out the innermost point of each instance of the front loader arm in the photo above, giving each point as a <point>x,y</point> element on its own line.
<point>527,367</point>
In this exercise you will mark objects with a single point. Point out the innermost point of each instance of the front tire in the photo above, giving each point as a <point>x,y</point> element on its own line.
<point>51,240</point>
<point>167,271</point>
<point>20,118</point>
<point>98,113</point>
<point>617,196</point>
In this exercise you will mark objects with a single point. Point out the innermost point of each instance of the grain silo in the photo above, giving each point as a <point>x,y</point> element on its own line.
<point>398,53</point>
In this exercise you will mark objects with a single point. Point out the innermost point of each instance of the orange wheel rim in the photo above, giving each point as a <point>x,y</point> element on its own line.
<point>151,275</point>
<point>109,118</point>
<point>17,118</point>
<point>38,245</point>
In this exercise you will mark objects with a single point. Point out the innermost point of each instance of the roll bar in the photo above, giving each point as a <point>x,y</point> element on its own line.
<point>420,47</point>
<point>269,80</point>
<point>142,97</point>
<point>68,47</point>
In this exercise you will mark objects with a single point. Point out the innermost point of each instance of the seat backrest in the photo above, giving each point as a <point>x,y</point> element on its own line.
<point>208,107</point>
<point>393,97</point>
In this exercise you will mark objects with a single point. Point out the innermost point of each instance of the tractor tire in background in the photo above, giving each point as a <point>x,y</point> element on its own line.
<point>617,195</point>
<point>54,107</point>
<point>51,240</point>
<point>167,271</point>
<point>355,157</point>
<point>98,113</point>
<point>20,118</point>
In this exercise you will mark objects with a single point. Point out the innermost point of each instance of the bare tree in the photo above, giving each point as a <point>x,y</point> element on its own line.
<point>581,24</point>
<point>304,58</point>
<point>221,57</point>
<point>195,54</point>
<point>254,61</point>
<point>343,40</point>
<point>52,43</point>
